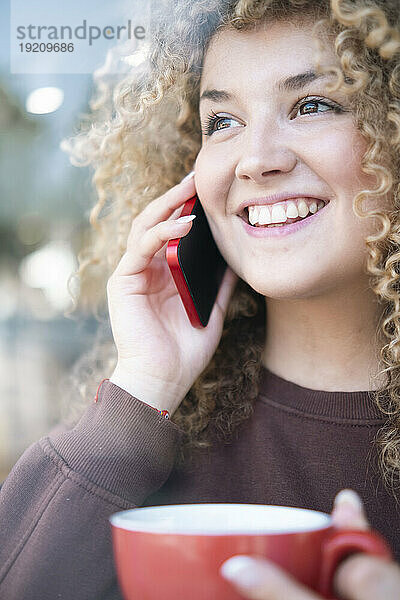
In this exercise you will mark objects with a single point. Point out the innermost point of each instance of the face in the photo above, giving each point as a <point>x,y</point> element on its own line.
<point>268,140</point>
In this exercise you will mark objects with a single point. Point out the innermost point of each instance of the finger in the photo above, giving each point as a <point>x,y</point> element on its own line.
<point>225,291</point>
<point>348,511</point>
<point>259,579</point>
<point>164,206</point>
<point>366,577</point>
<point>137,258</point>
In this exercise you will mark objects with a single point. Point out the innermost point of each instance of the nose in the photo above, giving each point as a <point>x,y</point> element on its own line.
<point>264,155</point>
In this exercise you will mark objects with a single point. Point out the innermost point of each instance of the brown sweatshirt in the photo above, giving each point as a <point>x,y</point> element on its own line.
<point>299,448</point>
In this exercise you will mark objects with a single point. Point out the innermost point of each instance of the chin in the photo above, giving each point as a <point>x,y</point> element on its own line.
<point>280,289</point>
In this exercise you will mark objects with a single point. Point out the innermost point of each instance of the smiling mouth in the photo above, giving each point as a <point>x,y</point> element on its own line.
<point>245,216</point>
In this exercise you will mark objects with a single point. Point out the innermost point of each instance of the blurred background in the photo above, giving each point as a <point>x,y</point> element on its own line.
<point>44,212</point>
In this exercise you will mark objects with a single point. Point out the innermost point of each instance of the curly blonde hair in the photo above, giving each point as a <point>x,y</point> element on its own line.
<point>143,136</point>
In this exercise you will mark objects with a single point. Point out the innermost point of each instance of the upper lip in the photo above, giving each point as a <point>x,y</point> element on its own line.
<point>279,197</point>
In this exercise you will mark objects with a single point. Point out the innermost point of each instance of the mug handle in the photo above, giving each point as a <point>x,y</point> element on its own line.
<point>343,542</point>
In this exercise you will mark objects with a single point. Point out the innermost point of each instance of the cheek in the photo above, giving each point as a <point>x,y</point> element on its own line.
<point>212,182</point>
<point>340,155</point>
<point>348,178</point>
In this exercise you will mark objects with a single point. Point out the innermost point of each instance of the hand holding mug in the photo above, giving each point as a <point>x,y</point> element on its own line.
<point>359,577</point>
<point>297,552</point>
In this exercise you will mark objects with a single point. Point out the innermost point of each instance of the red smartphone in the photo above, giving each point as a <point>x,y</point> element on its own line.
<point>196,265</point>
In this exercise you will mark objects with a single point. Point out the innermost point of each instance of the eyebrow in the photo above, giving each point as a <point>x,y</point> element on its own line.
<point>294,82</point>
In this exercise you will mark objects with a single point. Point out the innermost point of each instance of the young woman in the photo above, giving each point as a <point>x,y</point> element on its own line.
<point>291,392</point>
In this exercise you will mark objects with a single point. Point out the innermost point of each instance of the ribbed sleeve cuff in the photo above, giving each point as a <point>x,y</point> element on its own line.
<point>121,445</point>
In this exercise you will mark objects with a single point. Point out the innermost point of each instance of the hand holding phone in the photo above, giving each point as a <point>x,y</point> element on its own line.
<point>160,354</point>
<point>196,265</point>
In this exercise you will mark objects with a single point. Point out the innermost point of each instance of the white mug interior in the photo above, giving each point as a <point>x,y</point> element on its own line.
<point>221,519</point>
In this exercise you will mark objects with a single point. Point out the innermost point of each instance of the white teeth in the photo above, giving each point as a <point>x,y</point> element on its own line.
<point>302,207</point>
<point>264,217</point>
<point>291,211</point>
<point>254,214</point>
<point>279,213</point>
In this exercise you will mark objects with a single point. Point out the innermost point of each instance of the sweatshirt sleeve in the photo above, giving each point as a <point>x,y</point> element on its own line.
<point>55,538</point>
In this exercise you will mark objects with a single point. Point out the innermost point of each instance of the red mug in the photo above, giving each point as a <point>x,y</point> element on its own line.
<point>175,551</point>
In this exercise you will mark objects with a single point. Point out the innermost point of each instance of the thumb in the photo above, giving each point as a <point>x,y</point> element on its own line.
<point>348,511</point>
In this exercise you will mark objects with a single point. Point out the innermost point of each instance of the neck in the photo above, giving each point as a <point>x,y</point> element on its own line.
<point>328,342</point>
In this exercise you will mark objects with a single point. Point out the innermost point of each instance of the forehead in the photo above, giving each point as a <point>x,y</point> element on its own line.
<point>272,49</point>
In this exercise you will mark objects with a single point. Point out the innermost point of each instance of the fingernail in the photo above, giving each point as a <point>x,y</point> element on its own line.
<point>188,176</point>
<point>242,570</point>
<point>349,497</point>
<point>186,219</point>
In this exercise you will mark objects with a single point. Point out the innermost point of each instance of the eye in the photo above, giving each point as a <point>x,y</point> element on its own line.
<point>310,106</point>
<point>213,121</point>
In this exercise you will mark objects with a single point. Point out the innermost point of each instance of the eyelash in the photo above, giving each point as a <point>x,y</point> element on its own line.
<point>212,118</point>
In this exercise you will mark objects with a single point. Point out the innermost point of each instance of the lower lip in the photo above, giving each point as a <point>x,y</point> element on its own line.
<point>273,232</point>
